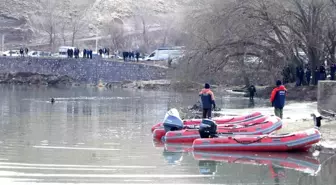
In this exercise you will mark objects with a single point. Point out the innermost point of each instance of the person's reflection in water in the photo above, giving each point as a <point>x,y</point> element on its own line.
<point>251,103</point>
<point>277,172</point>
<point>87,109</point>
<point>173,158</point>
<point>207,167</point>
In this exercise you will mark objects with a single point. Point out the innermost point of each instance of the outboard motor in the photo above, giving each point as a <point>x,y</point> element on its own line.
<point>172,121</point>
<point>208,129</point>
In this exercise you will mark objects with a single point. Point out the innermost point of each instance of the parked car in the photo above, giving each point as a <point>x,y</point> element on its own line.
<point>11,53</point>
<point>56,55</point>
<point>39,54</point>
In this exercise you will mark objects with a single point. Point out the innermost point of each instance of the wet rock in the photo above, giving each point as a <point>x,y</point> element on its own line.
<point>196,107</point>
<point>148,85</point>
<point>61,81</point>
<point>322,147</point>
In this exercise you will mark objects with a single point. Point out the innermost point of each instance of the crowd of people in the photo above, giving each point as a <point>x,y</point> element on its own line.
<point>131,56</point>
<point>303,76</point>
<point>74,53</point>
<point>87,53</point>
<point>105,51</point>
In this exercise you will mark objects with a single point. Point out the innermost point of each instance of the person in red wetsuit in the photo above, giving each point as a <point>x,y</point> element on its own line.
<point>208,101</point>
<point>278,99</point>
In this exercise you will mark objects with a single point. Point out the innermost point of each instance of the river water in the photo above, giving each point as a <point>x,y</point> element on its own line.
<point>96,136</point>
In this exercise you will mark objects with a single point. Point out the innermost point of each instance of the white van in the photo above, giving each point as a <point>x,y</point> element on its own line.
<point>39,54</point>
<point>165,54</point>
<point>63,51</point>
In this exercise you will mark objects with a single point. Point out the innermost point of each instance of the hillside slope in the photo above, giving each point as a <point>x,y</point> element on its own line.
<point>17,25</point>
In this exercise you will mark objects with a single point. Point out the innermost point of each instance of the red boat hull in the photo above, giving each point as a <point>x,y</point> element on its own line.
<point>266,143</point>
<point>258,127</point>
<point>221,120</point>
<point>158,134</point>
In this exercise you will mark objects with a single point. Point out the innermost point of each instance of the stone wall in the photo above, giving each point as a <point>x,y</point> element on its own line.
<point>83,70</point>
<point>327,97</point>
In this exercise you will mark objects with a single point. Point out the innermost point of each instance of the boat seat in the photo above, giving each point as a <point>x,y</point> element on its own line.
<point>281,135</point>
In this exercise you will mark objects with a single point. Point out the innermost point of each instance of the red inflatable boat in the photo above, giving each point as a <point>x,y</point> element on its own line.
<point>295,141</point>
<point>160,132</point>
<point>220,120</point>
<point>303,162</point>
<point>260,126</point>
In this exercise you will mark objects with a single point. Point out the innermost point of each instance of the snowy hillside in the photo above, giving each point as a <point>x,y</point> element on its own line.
<point>17,24</point>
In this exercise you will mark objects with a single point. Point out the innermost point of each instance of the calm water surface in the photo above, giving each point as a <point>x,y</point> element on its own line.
<point>92,136</point>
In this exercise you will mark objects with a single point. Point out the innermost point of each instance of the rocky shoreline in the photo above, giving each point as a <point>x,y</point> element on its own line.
<point>305,93</point>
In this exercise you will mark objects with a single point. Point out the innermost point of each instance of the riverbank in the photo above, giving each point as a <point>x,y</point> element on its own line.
<point>301,94</point>
<point>85,71</point>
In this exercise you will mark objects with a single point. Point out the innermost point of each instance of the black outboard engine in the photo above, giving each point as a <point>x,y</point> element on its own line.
<point>317,119</point>
<point>172,121</point>
<point>208,129</point>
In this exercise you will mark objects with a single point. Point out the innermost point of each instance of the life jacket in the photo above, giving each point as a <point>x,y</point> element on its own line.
<point>278,97</point>
<point>208,98</point>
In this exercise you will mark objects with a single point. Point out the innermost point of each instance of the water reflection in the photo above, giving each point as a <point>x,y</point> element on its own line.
<point>251,103</point>
<point>303,162</point>
<point>207,167</point>
<point>103,137</point>
<point>326,174</point>
<point>173,158</point>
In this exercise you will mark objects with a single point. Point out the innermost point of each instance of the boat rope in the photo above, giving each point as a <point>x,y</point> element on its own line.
<point>249,142</point>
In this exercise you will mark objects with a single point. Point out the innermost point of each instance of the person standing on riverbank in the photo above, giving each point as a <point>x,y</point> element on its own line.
<point>332,71</point>
<point>308,75</point>
<point>278,99</point>
<point>208,101</point>
<point>252,91</point>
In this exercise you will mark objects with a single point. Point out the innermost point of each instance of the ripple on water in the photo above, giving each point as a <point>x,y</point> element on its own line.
<point>75,148</point>
<point>93,138</point>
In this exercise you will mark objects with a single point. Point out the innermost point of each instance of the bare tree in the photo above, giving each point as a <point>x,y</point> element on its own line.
<point>73,20</point>
<point>273,31</point>
<point>115,31</point>
<point>48,20</point>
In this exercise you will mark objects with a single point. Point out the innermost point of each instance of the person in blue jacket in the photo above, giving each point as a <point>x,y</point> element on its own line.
<point>208,101</point>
